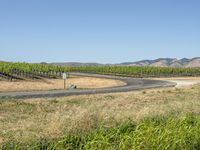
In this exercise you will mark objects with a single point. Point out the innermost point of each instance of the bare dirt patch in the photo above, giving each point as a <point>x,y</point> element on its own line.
<point>52,84</point>
<point>183,81</point>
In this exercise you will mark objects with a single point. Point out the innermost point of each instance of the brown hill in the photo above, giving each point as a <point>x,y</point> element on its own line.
<point>161,62</point>
<point>167,62</point>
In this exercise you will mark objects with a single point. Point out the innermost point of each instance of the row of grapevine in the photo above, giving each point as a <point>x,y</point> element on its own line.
<point>30,71</point>
<point>8,67</point>
<point>135,71</point>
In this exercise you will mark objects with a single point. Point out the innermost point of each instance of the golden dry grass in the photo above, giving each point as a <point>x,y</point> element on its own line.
<point>51,84</point>
<point>27,120</point>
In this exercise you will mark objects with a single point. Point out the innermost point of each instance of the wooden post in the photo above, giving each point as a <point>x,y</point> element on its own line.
<point>64,83</point>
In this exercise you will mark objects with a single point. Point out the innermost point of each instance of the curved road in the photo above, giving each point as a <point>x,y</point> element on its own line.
<point>131,85</point>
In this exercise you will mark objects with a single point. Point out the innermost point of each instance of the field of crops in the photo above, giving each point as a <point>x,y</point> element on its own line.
<point>10,70</point>
<point>8,67</point>
<point>137,71</point>
<point>134,71</point>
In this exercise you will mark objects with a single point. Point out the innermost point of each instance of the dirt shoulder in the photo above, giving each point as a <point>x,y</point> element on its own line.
<point>182,81</point>
<point>52,84</point>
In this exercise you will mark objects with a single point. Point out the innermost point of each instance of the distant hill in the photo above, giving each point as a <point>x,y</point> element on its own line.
<point>161,62</point>
<point>76,64</point>
<point>167,62</point>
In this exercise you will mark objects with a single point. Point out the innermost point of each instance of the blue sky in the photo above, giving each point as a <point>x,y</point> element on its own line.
<point>104,31</point>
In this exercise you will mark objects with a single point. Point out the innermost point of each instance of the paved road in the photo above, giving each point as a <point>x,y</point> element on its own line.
<point>131,85</point>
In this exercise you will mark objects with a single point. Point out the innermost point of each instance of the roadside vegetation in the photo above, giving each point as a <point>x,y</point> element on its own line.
<point>151,119</point>
<point>155,133</point>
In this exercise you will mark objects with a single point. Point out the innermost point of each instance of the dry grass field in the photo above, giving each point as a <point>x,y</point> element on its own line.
<point>52,84</point>
<point>29,120</point>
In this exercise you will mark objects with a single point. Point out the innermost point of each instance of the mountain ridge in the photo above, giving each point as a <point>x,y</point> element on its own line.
<point>160,62</point>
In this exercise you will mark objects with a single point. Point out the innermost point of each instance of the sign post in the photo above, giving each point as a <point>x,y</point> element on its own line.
<point>64,78</point>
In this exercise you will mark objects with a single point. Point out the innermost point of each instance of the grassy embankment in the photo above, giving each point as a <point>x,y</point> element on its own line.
<point>151,119</point>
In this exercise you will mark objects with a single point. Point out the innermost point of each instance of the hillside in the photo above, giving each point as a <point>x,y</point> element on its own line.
<point>76,64</point>
<point>167,62</point>
<point>161,62</point>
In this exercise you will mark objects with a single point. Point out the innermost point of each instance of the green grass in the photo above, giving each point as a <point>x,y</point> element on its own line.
<point>154,119</point>
<point>181,132</point>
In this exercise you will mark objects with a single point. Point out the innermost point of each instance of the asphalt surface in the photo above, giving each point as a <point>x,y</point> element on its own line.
<point>132,84</point>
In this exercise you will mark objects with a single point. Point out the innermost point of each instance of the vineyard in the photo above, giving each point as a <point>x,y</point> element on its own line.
<point>11,71</point>
<point>137,71</point>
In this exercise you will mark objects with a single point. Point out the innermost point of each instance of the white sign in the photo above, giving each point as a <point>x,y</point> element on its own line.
<point>64,76</point>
